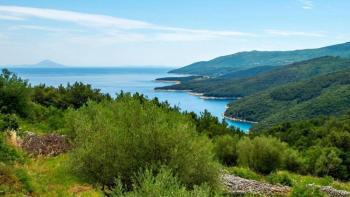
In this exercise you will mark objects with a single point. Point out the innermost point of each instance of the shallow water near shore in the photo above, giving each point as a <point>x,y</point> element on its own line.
<point>142,80</point>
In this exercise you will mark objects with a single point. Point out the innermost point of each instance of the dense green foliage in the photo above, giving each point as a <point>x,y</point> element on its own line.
<point>324,143</point>
<point>7,153</point>
<point>119,138</point>
<point>243,60</point>
<point>8,122</point>
<point>225,149</point>
<point>324,95</point>
<point>73,96</point>
<point>263,154</point>
<point>233,86</point>
<point>14,94</point>
<point>211,126</point>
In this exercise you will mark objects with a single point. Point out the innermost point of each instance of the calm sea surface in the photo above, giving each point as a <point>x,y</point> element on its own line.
<point>113,80</point>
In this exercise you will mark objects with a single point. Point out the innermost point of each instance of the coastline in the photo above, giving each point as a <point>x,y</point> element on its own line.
<point>200,95</point>
<point>168,81</point>
<point>238,120</point>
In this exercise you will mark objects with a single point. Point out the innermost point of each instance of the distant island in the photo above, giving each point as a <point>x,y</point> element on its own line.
<point>42,64</point>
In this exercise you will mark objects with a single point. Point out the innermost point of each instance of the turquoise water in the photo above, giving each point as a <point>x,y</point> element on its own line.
<point>113,80</point>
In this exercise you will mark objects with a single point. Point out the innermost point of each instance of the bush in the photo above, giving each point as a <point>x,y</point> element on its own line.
<point>306,190</point>
<point>280,178</point>
<point>7,154</point>
<point>8,122</point>
<point>225,149</point>
<point>162,184</point>
<point>244,173</point>
<point>14,94</point>
<point>116,139</point>
<point>263,154</point>
<point>323,161</point>
<point>292,161</point>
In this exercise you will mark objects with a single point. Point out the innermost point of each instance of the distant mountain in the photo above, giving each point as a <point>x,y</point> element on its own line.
<point>42,64</point>
<point>243,60</point>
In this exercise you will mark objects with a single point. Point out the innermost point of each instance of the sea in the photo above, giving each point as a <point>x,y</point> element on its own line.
<point>112,80</point>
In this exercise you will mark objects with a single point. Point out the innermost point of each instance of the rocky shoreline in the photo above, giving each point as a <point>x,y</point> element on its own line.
<point>239,120</point>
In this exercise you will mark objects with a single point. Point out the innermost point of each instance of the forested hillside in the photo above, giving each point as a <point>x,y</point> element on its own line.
<point>244,60</point>
<point>238,86</point>
<point>324,95</point>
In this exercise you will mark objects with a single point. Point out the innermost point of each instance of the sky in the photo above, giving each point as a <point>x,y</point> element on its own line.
<point>163,33</point>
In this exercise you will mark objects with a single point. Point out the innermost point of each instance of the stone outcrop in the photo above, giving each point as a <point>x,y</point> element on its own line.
<point>47,145</point>
<point>238,186</point>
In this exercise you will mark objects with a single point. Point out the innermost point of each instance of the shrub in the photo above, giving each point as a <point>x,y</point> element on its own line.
<point>162,184</point>
<point>244,173</point>
<point>263,154</point>
<point>225,149</point>
<point>292,161</point>
<point>280,178</point>
<point>14,94</point>
<point>117,139</point>
<point>8,122</point>
<point>7,154</point>
<point>306,190</point>
<point>323,161</point>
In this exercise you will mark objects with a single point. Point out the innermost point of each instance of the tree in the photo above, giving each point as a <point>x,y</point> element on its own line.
<point>14,94</point>
<point>263,154</point>
<point>225,149</point>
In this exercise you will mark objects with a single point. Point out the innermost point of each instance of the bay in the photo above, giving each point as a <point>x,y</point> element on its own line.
<point>114,79</point>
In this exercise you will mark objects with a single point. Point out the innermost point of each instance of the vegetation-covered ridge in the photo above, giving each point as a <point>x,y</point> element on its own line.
<point>133,146</point>
<point>323,95</point>
<point>244,60</point>
<point>241,84</point>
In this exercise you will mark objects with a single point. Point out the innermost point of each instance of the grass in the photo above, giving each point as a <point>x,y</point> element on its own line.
<point>50,177</point>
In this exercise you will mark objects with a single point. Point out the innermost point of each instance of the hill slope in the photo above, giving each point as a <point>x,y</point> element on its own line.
<point>244,60</point>
<point>328,94</point>
<point>235,86</point>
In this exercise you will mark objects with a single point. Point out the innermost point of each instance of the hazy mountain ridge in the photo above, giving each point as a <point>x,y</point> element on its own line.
<point>236,86</point>
<point>243,60</point>
<point>42,64</point>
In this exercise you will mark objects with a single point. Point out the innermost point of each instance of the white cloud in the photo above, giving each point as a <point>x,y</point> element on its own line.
<point>125,28</point>
<point>9,17</point>
<point>74,17</point>
<point>294,33</point>
<point>307,4</point>
<point>43,28</point>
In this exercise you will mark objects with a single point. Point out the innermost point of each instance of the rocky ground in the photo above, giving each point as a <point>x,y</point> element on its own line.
<point>240,186</point>
<point>237,185</point>
<point>47,145</point>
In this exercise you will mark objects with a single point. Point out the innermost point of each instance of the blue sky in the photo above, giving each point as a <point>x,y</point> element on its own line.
<point>165,33</point>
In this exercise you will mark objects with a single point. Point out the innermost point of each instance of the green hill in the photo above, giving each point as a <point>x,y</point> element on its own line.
<point>243,60</point>
<point>235,86</point>
<point>328,94</point>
